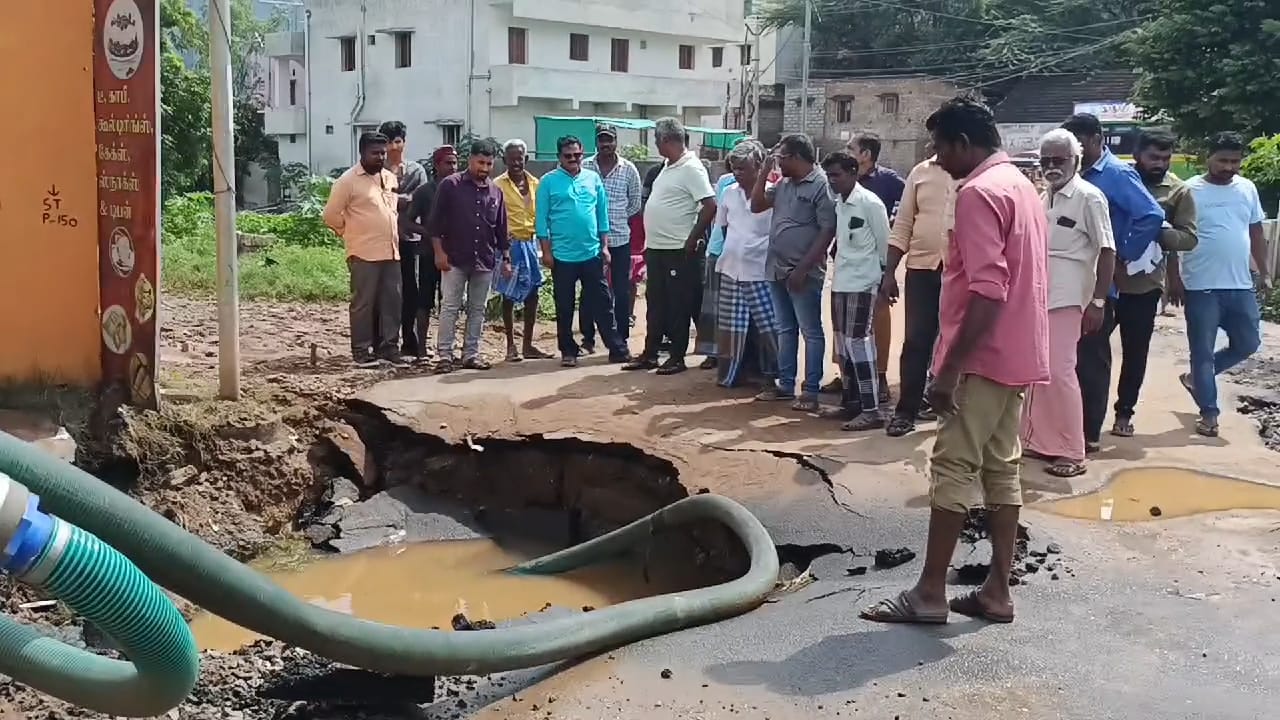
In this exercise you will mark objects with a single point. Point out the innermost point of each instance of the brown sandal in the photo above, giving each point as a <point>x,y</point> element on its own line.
<point>970,605</point>
<point>899,610</point>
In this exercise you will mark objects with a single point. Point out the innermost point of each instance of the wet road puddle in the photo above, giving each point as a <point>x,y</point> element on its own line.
<point>420,586</point>
<point>1158,493</point>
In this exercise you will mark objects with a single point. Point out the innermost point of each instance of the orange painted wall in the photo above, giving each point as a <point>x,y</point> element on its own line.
<point>49,327</point>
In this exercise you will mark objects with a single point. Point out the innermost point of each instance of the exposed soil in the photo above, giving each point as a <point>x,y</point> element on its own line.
<point>267,461</point>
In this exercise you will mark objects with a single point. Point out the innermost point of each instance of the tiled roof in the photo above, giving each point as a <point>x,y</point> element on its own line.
<point>1052,98</point>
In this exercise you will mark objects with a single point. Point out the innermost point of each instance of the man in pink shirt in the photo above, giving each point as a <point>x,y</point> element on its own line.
<point>993,343</point>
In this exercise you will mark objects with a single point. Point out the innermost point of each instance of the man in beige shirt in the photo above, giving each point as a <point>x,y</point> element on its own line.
<point>363,211</point>
<point>1082,258</point>
<point>919,235</point>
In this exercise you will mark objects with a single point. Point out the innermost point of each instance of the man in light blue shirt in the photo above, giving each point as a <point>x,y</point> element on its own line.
<point>1136,220</point>
<point>572,223</point>
<point>622,186</point>
<point>1214,279</point>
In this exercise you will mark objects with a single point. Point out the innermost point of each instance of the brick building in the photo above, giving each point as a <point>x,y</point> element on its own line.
<point>893,108</point>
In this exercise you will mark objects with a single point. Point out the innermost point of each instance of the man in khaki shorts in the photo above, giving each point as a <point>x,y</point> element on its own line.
<point>993,343</point>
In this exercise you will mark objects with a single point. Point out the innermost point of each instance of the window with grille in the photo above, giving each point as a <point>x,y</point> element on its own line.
<point>620,55</point>
<point>451,134</point>
<point>844,111</point>
<point>347,46</point>
<point>889,104</point>
<point>717,56</point>
<point>686,57</point>
<point>579,47</point>
<point>517,46</point>
<point>404,49</point>
<point>744,52</point>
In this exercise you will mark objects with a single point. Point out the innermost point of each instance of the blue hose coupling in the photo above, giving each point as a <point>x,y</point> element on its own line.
<point>25,531</point>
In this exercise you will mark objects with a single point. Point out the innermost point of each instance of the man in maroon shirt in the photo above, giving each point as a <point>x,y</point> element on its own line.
<point>468,228</point>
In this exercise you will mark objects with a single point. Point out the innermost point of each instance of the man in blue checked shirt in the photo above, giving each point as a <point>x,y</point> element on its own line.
<point>1136,220</point>
<point>622,186</point>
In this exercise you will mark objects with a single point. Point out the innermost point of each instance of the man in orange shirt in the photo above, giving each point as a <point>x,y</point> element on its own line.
<point>363,211</point>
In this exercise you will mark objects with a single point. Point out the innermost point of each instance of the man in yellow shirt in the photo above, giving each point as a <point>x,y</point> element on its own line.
<point>519,192</point>
<point>363,211</point>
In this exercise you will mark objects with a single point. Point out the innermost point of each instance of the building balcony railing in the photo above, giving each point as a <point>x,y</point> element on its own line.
<point>512,82</point>
<point>285,44</point>
<point>285,120</point>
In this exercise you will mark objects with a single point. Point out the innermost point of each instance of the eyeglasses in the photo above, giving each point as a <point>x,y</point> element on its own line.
<point>572,156</point>
<point>1050,161</point>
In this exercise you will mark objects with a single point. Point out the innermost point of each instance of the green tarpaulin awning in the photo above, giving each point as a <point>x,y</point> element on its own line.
<point>548,129</point>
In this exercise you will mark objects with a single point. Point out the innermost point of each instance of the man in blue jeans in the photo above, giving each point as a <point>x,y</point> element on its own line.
<point>571,220</point>
<point>1214,279</point>
<point>804,221</point>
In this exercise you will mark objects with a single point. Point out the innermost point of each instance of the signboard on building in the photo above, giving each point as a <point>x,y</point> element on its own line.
<point>1022,137</point>
<point>1117,111</point>
<point>126,120</point>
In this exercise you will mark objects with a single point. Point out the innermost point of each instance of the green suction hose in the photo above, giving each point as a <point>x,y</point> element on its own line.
<point>102,585</point>
<point>186,565</point>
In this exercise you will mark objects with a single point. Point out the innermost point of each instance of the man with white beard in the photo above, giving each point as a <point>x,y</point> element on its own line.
<point>1082,259</point>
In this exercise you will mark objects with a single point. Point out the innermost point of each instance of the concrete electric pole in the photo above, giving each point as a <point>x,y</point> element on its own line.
<point>755,28</point>
<point>224,200</point>
<point>804,70</point>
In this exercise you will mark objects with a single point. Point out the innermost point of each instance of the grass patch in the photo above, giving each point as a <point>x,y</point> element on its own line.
<point>306,262</point>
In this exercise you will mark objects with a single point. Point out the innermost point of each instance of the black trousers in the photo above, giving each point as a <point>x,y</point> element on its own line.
<point>669,292</point>
<point>921,294</point>
<point>1093,370</point>
<point>596,305</point>
<point>1136,318</point>
<point>420,284</point>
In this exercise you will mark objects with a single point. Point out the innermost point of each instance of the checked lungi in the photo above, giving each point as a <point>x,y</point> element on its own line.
<point>526,276</point>
<point>852,318</point>
<point>743,306</point>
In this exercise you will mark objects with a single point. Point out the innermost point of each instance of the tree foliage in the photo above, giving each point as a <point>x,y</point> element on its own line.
<point>187,141</point>
<point>1211,65</point>
<point>971,42</point>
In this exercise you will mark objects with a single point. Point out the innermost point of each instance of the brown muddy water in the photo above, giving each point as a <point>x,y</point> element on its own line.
<point>423,585</point>
<point>1158,493</point>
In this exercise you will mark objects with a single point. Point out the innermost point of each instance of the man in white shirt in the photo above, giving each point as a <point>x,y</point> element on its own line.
<point>1214,279</point>
<point>862,244</point>
<point>1082,257</point>
<point>681,207</point>
<point>745,300</point>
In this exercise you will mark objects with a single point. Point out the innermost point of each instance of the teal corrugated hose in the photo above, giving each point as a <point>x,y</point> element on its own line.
<point>103,586</point>
<point>186,565</point>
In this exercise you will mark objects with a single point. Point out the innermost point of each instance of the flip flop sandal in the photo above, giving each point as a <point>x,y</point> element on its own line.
<point>1092,447</point>
<point>1185,379</point>
<point>864,422</point>
<point>1206,428</point>
<point>899,610</point>
<point>1032,454</point>
<point>514,356</point>
<point>970,606</point>
<point>806,405</point>
<point>1123,428</point>
<point>533,353</point>
<point>1065,469</point>
<point>899,427</point>
<point>476,363</point>
<point>837,413</point>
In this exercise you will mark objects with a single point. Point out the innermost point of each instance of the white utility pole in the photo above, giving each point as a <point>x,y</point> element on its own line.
<point>804,70</point>
<point>224,200</point>
<point>755,28</point>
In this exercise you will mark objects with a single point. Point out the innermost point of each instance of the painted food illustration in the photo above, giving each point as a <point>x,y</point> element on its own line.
<point>117,333</point>
<point>123,38</point>
<point>120,245</point>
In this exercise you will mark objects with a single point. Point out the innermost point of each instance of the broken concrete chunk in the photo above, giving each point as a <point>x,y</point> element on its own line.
<point>346,440</point>
<point>1053,548</point>
<point>342,491</point>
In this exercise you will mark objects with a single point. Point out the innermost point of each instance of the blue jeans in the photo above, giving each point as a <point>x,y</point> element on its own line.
<point>799,314</point>
<point>1237,313</point>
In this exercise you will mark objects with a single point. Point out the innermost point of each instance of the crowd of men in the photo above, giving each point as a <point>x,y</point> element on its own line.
<point>1012,291</point>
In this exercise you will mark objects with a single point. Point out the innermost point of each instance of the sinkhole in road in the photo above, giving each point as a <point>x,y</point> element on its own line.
<point>1156,493</point>
<point>424,528</point>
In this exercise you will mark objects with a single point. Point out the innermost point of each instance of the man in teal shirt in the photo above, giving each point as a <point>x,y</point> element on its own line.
<point>572,223</point>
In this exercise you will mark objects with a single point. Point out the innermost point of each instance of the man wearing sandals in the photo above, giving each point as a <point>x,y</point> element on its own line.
<point>1082,259</point>
<point>804,222</point>
<point>1214,279</point>
<point>993,343</point>
<point>519,192</point>
<point>468,227</point>
<point>861,244</point>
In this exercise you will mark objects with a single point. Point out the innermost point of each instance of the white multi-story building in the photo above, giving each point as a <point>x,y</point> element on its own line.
<point>449,67</point>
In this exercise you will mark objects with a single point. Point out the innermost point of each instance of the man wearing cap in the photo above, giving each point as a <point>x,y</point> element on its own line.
<point>622,186</point>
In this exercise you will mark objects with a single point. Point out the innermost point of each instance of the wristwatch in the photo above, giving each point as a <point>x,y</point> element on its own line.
<point>1098,302</point>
